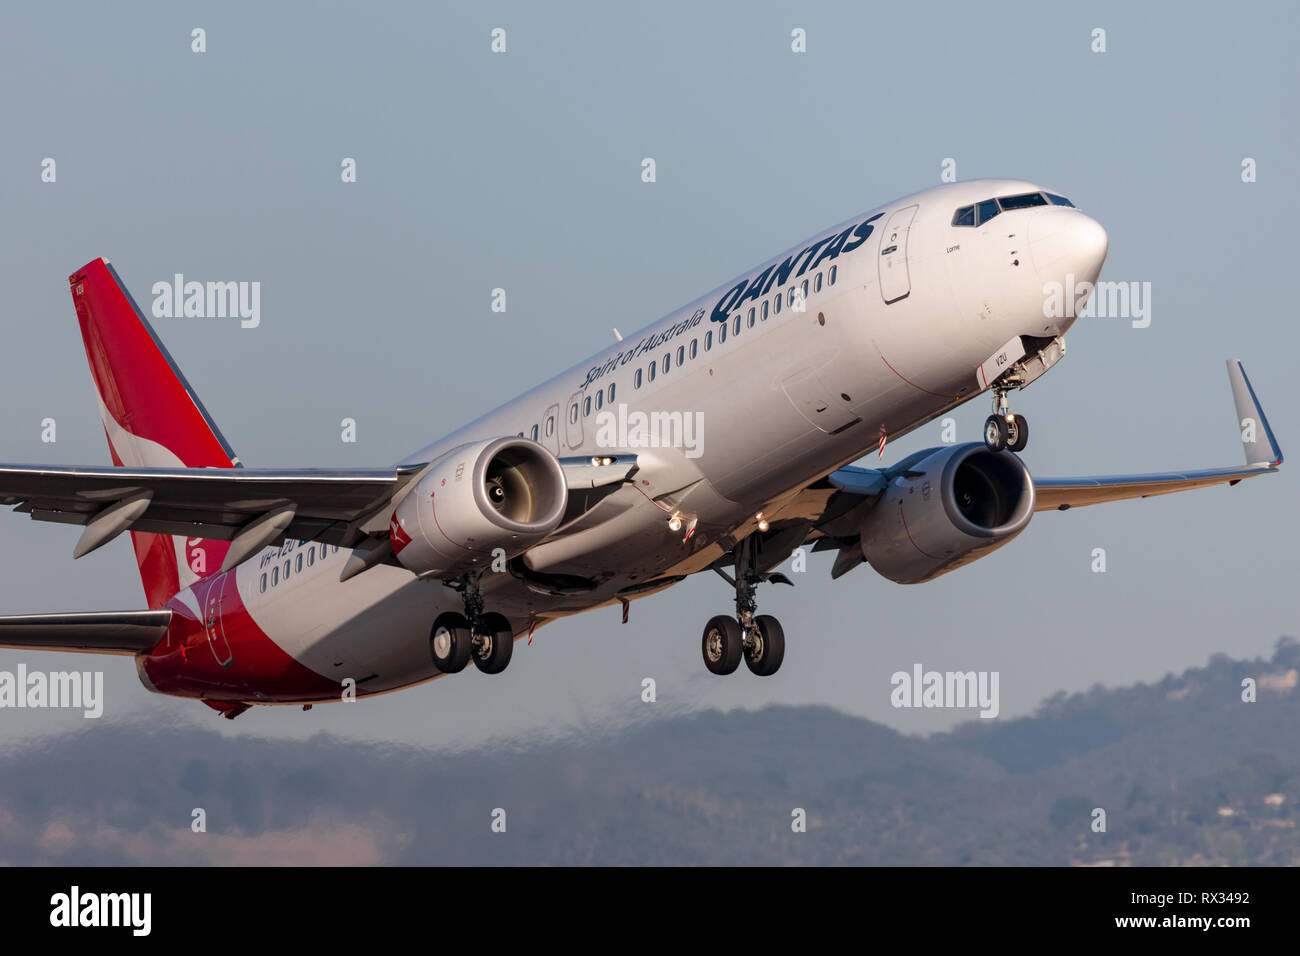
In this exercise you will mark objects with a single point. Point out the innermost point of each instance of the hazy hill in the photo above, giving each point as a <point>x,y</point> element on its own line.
<point>1186,772</point>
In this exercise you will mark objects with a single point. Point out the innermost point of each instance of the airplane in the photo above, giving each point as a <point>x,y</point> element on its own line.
<point>720,438</point>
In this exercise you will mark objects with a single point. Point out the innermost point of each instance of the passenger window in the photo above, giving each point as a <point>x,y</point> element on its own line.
<point>636,381</point>
<point>299,564</point>
<point>275,575</point>
<point>817,283</point>
<point>986,211</point>
<point>832,275</point>
<point>311,555</point>
<point>611,392</point>
<point>777,305</point>
<point>550,425</point>
<point>534,433</point>
<point>600,399</point>
<point>651,369</point>
<point>708,341</point>
<point>764,310</point>
<point>286,570</point>
<point>735,329</point>
<point>586,406</point>
<point>695,347</point>
<point>573,414</point>
<point>965,216</point>
<point>263,582</point>
<point>722,333</point>
<point>751,316</point>
<point>681,354</point>
<point>805,289</point>
<point>668,358</point>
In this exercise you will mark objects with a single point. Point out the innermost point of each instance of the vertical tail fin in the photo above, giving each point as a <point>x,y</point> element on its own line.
<point>152,418</point>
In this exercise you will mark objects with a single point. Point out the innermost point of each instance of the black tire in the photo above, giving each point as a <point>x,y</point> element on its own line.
<point>1019,433</point>
<point>496,644</point>
<point>450,642</point>
<point>765,657</point>
<point>996,432</point>
<point>722,645</point>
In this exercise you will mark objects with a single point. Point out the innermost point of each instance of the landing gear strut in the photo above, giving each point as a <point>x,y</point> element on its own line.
<point>484,638</point>
<point>758,638</point>
<point>1002,429</point>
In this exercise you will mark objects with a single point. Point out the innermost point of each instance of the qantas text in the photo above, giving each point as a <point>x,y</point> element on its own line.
<point>827,249</point>
<point>812,256</point>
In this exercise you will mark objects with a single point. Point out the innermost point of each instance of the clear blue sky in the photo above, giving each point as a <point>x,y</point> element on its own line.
<point>522,171</point>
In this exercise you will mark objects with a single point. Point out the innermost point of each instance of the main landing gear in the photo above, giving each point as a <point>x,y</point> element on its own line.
<point>759,639</point>
<point>1002,429</point>
<point>484,638</point>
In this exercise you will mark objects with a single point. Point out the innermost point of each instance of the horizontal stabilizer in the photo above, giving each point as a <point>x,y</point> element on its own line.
<point>93,632</point>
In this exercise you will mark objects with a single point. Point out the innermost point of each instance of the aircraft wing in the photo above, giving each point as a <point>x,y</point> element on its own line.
<point>1263,457</point>
<point>252,507</point>
<point>834,505</point>
<point>217,503</point>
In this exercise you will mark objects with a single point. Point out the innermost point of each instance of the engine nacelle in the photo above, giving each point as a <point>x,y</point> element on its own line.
<point>962,503</point>
<point>506,493</point>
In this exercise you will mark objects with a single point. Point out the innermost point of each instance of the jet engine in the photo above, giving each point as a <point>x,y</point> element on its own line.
<point>948,509</point>
<point>506,493</point>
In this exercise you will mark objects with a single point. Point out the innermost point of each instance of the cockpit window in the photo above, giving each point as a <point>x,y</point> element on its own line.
<point>1022,202</point>
<point>981,213</point>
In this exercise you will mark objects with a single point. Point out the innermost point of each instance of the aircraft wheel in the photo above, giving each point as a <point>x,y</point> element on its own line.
<point>766,649</point>
<point>722,645</point>
<point>450,642</point>
<point>493,643</point>
<point>996,432</point>
<point>1018,436</point>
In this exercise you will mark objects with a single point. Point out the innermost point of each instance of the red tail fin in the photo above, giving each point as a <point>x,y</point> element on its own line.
<point>151,416</point>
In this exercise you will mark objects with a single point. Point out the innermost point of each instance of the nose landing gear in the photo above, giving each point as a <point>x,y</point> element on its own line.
<point>758,638</point>
<point>1003,429</point>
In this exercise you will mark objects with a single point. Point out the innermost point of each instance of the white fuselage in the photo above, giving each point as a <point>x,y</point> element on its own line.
<point>892,342</point>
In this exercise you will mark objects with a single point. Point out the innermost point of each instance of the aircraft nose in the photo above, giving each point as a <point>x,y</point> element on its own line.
<point>1066,242</point>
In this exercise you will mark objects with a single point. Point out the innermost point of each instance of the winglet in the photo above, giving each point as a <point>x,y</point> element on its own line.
<point>1256,437</point>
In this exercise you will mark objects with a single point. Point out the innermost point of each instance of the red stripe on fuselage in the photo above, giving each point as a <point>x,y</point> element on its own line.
<point>186,663</point>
